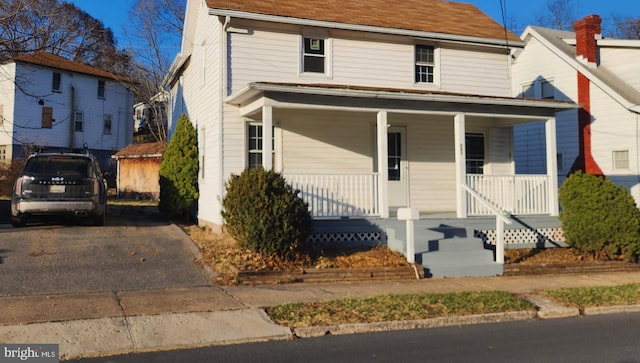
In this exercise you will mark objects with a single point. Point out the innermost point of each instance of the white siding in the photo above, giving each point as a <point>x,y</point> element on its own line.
<point>475,72</point>
<point>623,62</point>
<point>7,100</point>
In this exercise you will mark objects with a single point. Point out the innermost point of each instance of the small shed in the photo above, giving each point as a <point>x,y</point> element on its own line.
<point>138,170</point>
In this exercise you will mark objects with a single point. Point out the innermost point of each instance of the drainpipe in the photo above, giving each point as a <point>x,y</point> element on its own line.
<point>223,91</point>
<point>73,117</point>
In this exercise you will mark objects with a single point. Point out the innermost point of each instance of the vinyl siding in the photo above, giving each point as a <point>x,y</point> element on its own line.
<point>623,62</point>
<point>471,71</point>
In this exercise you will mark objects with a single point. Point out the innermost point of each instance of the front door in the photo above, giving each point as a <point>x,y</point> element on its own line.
<point>398,167</point>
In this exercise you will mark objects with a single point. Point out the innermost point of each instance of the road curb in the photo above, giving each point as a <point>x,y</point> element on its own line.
<point>343,329</point>
<point>615,309</point>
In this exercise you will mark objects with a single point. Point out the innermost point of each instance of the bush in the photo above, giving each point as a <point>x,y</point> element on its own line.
<point>9,172</point>
<point>599,217</point>
<point>179,172</point>
<point>264,214</point>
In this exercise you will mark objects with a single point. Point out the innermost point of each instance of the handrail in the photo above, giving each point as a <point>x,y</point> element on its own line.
<point>500,217</point>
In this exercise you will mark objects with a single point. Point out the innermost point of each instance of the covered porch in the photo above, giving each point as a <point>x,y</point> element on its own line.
<point>362,152</point>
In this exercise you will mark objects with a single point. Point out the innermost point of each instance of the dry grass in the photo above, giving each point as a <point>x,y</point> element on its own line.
<point>227,258</point>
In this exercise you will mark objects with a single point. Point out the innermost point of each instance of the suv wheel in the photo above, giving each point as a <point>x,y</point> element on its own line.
<point>17,221</point>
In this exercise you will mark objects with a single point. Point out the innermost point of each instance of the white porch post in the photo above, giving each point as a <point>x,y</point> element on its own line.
<point>552,165</point>
<point>383,164</point>
<point>461,169</point>
<point>267,136</point>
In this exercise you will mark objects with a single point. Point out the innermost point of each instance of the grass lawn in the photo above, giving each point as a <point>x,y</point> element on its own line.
<point>628,294</point>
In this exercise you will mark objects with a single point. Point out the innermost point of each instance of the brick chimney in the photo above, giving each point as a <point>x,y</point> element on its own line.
<point>588,29</point>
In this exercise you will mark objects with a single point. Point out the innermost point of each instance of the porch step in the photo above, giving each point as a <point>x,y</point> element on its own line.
<point>456,257</point>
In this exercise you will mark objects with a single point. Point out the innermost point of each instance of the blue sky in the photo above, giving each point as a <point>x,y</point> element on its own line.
<point>115,13</point>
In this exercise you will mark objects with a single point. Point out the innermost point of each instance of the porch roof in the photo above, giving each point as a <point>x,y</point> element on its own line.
<point>257,94</point>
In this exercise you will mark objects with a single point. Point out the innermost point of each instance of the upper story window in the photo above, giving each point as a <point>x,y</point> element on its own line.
<point>107,123</point>
<point>547,90</point>
<point>56,82</point>
<point>425,64</point>
<point>313,55</point>
<point>3,153</point>
<point>101,88</point>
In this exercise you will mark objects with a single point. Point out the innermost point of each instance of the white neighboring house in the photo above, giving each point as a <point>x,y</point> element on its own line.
<point>365,106</point>
<point>600,74</point>
<point>52,102</point>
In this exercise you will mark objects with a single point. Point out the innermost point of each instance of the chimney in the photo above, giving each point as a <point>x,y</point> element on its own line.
<point>588,29</point>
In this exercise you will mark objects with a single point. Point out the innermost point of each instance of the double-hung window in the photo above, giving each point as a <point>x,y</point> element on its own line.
<point>78,121</point>
<point>56,82</point>
<point>255,141</point>
<point>101,89</point>
<point>425,64</point>
<point>621,160</point>
<point>313,55</point>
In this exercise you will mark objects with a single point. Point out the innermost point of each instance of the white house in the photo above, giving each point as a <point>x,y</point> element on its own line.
<point>365,106</point>
<point>49,101</point>
<point>600,74</point>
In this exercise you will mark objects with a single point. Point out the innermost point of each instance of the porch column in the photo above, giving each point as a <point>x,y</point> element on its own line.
<point>383,164</point>
<point>267,136</point>
<point>552,165</point>
<point>461,162</point>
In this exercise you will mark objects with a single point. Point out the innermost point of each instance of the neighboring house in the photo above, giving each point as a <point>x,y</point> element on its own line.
<point>47,101</point>
<point>152,112</point>
<point>365,106</point>
<point>138,170</point>
<point>600,74</point>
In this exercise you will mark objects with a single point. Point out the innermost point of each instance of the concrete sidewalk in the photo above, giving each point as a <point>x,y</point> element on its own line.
<point>107,323</point>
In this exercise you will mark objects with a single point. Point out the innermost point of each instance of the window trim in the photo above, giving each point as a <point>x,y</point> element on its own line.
<point>328,45</point>
<point>434,65</point>
<point>57,81</point>
<point>615,161</point>
<point>484,152</point>
<point>249,151</point>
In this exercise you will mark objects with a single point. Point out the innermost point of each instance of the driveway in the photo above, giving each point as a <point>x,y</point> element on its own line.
<point>137,249</point>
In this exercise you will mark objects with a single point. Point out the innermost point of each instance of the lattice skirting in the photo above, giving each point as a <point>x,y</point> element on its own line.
<point>523,236</point>
<point>346,237</point>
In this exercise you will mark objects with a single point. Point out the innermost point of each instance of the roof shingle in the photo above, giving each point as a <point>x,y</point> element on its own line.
<point>435,16</point>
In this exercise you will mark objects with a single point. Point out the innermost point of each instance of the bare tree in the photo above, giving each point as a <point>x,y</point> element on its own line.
<point>157,28</point>
<point>559,14</point>
<point>627,28</point>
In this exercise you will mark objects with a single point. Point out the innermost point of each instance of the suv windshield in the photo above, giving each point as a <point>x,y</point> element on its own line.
<point>58,165</point>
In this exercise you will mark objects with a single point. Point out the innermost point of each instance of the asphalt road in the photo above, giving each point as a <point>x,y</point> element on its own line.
<point>138,249</point>
<point>594,339</point>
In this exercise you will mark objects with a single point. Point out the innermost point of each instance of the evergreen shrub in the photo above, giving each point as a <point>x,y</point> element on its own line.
<point>179,172</point>
<point>265,214</point>
<point>599,217</point>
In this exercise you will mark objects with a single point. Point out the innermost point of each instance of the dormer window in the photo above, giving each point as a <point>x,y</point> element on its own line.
<point>313,55</point>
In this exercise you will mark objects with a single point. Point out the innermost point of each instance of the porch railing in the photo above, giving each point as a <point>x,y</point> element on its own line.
<point>338,195</point>
<point>518,194</point>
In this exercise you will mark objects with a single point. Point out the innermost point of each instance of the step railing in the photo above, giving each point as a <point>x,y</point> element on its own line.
<point>501,220</point>
<point>338,195</point>
<point>519,194</point>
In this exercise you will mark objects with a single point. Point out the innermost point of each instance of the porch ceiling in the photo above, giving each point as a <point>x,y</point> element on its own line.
<point>254,96</point>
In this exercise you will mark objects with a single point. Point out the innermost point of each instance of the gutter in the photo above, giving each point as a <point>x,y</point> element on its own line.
<point>367,28</point>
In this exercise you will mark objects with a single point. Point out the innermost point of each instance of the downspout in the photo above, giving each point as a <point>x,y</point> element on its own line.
<point>73,117</point>
<point>223,92</point>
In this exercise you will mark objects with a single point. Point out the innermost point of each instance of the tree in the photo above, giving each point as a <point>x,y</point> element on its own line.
<point>627,28</point>
<point>559,14</point>
<point>157,26</point>
<point>30,26</point>
<point>179,172</point>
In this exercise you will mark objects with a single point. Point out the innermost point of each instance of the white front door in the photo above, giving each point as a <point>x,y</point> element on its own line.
<point>398,167</point>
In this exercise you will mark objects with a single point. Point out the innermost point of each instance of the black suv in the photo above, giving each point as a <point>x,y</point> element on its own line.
<point>60,184</point>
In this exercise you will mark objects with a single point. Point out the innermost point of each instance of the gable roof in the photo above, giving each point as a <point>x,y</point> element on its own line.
<point>146,150</point>
<point>431,16</point>
<point>562,44</point>
<point>58,62</point>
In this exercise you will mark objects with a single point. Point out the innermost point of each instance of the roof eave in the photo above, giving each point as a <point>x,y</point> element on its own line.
<point>366,28</point>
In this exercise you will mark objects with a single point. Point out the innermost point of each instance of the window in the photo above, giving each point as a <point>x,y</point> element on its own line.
<point>560,163</point>
<point>528,91</point>
<point>78,121</point>
<point>395,155</point>
<point>621,160</point>
<point>47,117</point>
<point>56,82</point>
<point>425,64</point>
<point>3,153</point>
<point>107,124</point>
<point>547,90</point>
<point>313,55</point>
<point>475,153</point>
<point>101,88</point>
<point>255,146</point>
